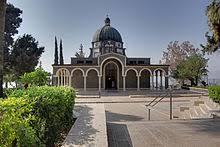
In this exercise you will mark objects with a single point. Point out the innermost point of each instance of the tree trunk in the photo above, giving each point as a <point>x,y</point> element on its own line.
<point>196,81</point>
<point>6,85</point>
<point>2,28</point>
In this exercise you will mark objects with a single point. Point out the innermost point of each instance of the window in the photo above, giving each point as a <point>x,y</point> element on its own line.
<point>80,62</point>
<point>132,62</point>
<point>140,62</point>
<point>89,62</point>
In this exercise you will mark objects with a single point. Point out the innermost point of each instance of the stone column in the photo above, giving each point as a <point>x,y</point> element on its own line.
<point>161,79</point>
<point>61,80</point>
<point>138,83</point>
<point>152,81</point>
<point>70,81</point>
<point>58,80</point>
<point>156,79</point>
<point>124,88</point>
<point>166,81</point>
<point>64,80</point>
<point>84,83</point>
<point>100,77</point>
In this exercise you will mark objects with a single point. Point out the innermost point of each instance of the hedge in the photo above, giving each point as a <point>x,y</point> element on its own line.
<point>214,93</point>
<point>47,113</point>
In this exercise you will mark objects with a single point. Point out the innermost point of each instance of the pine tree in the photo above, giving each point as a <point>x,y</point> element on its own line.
<point>61,53</point>
<point>56,58</point>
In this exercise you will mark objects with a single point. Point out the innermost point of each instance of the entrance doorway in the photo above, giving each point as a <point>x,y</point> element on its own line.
<point>111,76</point>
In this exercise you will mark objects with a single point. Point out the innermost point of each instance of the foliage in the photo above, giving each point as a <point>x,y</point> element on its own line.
<point>213,14</point>
<point>56,58</point>
<point>214,93</point>
<point>61,53</point>
<point>39,77</point>
<point>25,55</point>
<point>16,118</point>
<point>8,78</point>
<point>192,69</point>
<point>176,53</point>
<point>53,106</point>
<point>12,23</point>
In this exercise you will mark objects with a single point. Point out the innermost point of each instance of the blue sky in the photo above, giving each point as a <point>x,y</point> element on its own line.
<point>146,26</point>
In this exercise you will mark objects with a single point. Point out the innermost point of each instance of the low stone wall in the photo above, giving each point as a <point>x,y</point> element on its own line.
<point>199,90</point>
<point>89,129</point>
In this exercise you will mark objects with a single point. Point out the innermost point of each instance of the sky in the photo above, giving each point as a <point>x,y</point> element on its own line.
<point>146,26</point>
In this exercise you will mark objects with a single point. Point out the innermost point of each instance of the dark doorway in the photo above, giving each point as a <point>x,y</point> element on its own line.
<point>111,76</point>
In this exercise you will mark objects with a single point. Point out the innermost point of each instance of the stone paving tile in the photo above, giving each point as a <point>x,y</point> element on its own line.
<point>127,125</point>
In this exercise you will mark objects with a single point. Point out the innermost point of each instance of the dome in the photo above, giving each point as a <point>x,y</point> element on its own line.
<point>107,33</point>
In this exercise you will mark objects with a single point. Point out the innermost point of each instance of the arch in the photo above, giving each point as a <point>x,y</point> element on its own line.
<point>131,69</point>
<point>101,72</point>
<point>145,78</point>
<point>78,69</point>
<point>59,70</point>
<point>92,69</point>
<point>92,78</point>
<point>63,77</point>
<point>159,74</point>
<point>104,68</point>
<point>145,69</point>
<point>131,79</point>
<point>161,70</point>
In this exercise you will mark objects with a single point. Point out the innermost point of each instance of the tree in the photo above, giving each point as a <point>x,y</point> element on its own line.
<point>80,54</point>
<point>192,68</point>
<point>12,23</point>
<point>2,28</point>
<point>8,78</point>
<point>56,58</point>
<point>61,53</point>
<point>176,53</point>
<point>39,77</point>
<point>25,55</point>
<point>213,14</point>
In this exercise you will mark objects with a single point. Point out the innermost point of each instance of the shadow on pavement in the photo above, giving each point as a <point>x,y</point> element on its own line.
<point>117,117</point>
<point>118,135</point>
<point>82,131</point>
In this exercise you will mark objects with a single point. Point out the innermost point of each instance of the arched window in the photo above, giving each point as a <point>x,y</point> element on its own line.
<point>63,77</point>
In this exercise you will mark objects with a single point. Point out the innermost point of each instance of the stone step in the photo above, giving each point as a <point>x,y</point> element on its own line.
<point>193,113</point>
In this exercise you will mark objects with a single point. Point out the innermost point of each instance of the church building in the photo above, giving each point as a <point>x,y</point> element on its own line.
<point>108,68</point>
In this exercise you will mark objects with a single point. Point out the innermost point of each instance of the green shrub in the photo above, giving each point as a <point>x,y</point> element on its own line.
<point>53,109</point>
<point>214,93</point>
<point>39,77</point>
<point>15,123</point>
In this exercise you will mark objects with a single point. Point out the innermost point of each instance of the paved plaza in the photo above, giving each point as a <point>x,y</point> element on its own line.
<point>128,126</point>
<point>126,121</point>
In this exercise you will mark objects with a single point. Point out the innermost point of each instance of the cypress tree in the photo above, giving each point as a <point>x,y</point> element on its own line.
<point>61,53</point>
<point>56,58</point>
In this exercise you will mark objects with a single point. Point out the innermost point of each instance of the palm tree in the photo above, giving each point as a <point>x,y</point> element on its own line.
<point>2,27</point>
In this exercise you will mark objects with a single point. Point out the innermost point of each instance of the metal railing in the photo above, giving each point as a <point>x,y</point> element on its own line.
<point>159,98</point>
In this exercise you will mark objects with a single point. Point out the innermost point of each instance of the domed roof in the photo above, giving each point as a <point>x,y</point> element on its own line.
<point>107,33</point>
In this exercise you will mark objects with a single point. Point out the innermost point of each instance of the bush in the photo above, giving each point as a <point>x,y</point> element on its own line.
<point>15,123</point>
<point>39,77</point>
<point>214,93</point>
<point>53,109</point>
